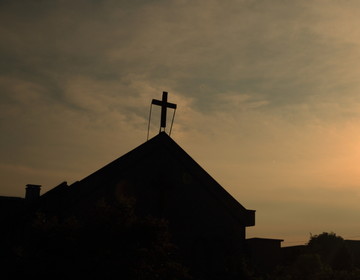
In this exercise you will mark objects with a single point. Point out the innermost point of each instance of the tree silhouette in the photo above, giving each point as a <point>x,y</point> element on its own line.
<point>111,242</point>
<point>326,257</point>
<point>332,250</point>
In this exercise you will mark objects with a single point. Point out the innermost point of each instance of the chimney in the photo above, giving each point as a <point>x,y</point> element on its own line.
<point>32,192</point>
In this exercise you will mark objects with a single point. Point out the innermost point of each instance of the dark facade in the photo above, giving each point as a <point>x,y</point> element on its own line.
<point>264,253</point>
<point>206,222</point>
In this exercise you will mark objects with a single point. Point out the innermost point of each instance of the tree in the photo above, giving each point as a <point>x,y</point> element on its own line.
<point>332,250</point>
<point>111,242</point>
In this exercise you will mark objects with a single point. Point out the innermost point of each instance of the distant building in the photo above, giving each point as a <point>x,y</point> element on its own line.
<point>264,253</point>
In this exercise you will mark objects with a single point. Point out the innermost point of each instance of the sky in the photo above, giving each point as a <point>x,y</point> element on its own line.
<point>267,93</point>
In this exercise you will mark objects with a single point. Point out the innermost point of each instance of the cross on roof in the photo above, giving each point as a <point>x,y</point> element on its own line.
<point>164,105</point>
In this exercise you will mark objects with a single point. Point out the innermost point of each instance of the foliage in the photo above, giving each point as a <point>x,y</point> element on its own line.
<point>112,243</point>
<point>325,257</point>
<point>332,250</point>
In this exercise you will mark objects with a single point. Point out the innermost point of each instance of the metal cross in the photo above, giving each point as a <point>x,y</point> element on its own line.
<point>164,105</point>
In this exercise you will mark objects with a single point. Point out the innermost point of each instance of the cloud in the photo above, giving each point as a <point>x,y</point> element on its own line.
<point>198,50</point>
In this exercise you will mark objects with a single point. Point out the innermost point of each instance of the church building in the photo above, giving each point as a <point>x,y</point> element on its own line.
<point>206,222</point>
<point>204,219</point>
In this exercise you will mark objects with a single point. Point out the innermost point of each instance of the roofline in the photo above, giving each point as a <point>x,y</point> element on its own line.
<point>168,143</point>
<point>265,239</point>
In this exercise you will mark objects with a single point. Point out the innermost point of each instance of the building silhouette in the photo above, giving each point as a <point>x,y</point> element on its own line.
<point>206,223</point>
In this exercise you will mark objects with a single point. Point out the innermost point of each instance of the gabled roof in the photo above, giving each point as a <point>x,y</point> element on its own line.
<point>162,143</point>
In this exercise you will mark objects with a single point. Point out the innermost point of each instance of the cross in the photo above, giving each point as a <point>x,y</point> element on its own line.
<point>164,105</point>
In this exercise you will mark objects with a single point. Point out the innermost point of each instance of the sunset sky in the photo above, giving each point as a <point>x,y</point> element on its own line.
<point>268,96</point>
